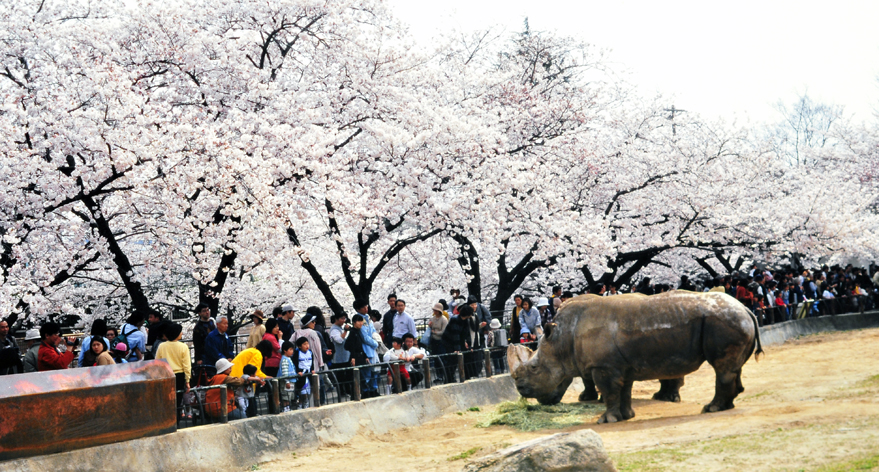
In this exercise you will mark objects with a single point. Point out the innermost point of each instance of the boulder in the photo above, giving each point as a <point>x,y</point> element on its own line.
<point>578,451</point>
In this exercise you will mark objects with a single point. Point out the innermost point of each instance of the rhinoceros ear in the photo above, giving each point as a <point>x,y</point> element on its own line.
<point>518,355</point>
<point>549,331</point>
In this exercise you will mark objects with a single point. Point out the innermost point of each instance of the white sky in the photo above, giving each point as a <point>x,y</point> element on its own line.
<point>729,59</point>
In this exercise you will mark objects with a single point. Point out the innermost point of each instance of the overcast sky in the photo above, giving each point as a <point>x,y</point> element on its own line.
<point>729,59</point>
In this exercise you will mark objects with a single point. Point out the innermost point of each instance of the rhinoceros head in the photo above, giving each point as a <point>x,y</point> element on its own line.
<point>538,374</point>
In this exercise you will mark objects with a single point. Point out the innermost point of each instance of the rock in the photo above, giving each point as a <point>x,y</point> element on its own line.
<point>578,451</point>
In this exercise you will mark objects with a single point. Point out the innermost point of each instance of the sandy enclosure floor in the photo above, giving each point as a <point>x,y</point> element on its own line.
<point>811,404</point>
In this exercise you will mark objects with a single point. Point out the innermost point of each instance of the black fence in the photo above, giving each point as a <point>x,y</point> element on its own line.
<point>337,385</point>
<point>813,308</point>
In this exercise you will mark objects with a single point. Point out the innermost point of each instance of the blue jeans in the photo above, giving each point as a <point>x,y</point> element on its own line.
<point>237,414</point>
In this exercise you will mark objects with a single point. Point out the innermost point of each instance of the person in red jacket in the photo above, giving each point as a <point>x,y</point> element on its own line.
<point>48,357</point>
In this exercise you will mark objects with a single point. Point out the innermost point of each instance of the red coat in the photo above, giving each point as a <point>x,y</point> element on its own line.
<point>48,358</point>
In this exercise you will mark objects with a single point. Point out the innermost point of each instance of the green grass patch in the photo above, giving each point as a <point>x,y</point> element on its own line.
<point>756,396</point>
<point>866,463</point>
<point>463,455</point>
<point>649,461</point>
<point>473,408</point>
<point>526,416</point>
<point>870,382</point>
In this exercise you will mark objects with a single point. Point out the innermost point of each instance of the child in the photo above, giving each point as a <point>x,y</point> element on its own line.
<point>303,360</point>
<point>287,370</point>
<point>497,338</point>
<point>120,352</point>
<point>398,354</point>
<point>245,392</point>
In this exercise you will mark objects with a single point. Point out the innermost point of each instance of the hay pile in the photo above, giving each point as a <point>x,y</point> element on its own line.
<point>526,416</point>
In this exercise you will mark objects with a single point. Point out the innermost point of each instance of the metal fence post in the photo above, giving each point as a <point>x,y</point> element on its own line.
<point>461,376</point>
<point>276,396</point>
<point>315,389</point>
<point>398,383</point>
<point>425,369</point>
<point>487,363</point>
<point>355,387</point>
<point>224,405</point>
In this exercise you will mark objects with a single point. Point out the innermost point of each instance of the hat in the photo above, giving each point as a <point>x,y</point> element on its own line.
<point>286,307</point>
<point>258,314</point>
<point>542,301</point>
<point>32,334</point>
<point>121,347</point>
<point>438,307</point>
<point>306,319</point>
<point>495,324</point>
<point>222,365</point>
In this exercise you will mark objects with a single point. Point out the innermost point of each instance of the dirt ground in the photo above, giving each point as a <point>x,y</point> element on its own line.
<point>811,404</point>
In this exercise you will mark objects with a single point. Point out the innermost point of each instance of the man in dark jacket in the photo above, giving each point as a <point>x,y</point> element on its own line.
<point>202,329</point>
<point>480,321</point>
<point>218,345</point>
<point>456,338</point>
<point>388,320</point>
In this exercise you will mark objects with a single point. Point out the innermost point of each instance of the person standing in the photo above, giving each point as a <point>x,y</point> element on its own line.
<point>403,323</point>
<point>387,330</point>
<point>515,327</point>
<point>437,325</point>
<point>97,353</point>
<point>285,323</point>
<point>555,300</point>
<point>11,355</point>
<point>258,330</point>
<point>99,330</point>
<point>456,338</point>
<point>33,347</point>
<point>48,357</point>
<point>529,321</point>
<point>200,332</point>
<point>273,336</point>
<point>369,345</point>
<point>478,322</point>
<point>307,331</point>
<point>341,358</point>
<point>176,354</point>
<point>218,345</point>
<point>544,311</point>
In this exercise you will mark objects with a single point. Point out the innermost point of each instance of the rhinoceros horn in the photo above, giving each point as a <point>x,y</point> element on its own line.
<point>518,355</point>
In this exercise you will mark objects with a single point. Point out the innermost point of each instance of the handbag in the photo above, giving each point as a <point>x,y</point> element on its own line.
<point>425,339</point>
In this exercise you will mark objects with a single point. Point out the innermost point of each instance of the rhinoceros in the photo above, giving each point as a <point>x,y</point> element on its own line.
<point>614,341</point>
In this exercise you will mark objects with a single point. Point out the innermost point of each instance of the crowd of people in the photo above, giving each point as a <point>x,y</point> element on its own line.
<point>291,347</point>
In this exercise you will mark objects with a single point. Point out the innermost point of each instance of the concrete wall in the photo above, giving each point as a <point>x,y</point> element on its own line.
<point>243,443</point>
<point>776,334</point>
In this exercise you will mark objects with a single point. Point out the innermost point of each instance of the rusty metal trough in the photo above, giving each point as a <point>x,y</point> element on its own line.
<point>63,410</point>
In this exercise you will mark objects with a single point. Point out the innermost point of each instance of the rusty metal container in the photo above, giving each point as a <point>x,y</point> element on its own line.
<point>63,410</point>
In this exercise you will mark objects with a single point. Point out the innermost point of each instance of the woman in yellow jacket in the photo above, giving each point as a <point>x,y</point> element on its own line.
<point>254,356</point>
<point>177,355</point>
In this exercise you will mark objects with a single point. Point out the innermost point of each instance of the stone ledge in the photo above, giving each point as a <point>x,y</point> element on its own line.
<point>243,443</point>
<point>776,334</point>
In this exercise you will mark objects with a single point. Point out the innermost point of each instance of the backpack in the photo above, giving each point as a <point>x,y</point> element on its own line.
<point>123,337</point>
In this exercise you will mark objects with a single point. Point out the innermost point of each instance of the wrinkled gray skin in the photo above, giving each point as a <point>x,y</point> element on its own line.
<point>617,340</point>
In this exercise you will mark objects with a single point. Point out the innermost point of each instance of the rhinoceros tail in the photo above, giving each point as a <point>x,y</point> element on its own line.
<point>756,336</point>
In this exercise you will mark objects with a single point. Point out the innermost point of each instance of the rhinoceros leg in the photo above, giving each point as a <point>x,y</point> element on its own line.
<point>589,394</point>
<point>739,387</point>
<point>626,400</point>
<point>611,384</point>
<point>724,392</point>
<point>669,390</point>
